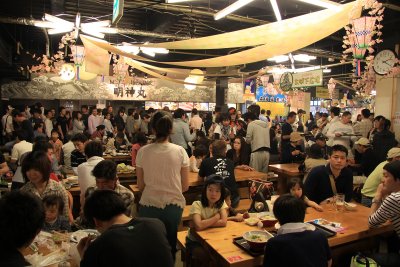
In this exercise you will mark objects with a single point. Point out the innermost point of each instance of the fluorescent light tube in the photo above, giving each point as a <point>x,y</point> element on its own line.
<point>229,9</point>
<point>323,3</point>
<point>177,1</point>
<point>276,10</point>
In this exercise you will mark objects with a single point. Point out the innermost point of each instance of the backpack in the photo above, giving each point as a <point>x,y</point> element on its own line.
<point>360,260</point>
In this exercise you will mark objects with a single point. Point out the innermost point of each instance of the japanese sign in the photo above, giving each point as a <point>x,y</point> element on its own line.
<point>322,92</point>
<point>307,79</point>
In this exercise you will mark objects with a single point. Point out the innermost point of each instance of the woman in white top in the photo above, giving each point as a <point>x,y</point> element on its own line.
<point>162,170</point>
<point>107,123</point>
<point>77,124</point>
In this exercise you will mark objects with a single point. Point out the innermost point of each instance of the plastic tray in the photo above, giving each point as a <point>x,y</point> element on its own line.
<point>242,243</point>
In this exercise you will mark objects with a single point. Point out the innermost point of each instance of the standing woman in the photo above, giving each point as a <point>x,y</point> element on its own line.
<point>77,125</point>
<point>36,168</point>
<point>162,186</point>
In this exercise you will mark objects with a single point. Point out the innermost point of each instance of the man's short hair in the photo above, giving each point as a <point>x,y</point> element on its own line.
<point>93,148</point>
<point>22,217</point>
<point>263,111</point>
<point>335,111</point>
<point>218,148</point>
<point>105,169</point>
<point>103,205</point>
<point>249,116</point>
<point>254,109</point>
<point>195,111</point>
<point>291,114</point>
<point>79,137</point>
<point>338,148</point>
<point>21,134</point>
<point>366,113</point>
<point>179,113</point>
<point>346,113</point>
<point>324,115</point>
<point>289,209</point>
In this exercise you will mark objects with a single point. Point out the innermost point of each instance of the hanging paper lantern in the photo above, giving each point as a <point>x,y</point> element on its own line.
<point>190,83</point>
<point>363,28</point>
<point>197,74</point>
<point>331,87</point>
<point>358,52</point>
<point>121,69</point>
<point>78,54</point>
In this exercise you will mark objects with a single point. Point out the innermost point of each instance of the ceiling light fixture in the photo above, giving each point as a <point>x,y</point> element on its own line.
<point>323,3</point>
<point>276,10</point>
<point>56,25</point>
<point>150,51</point>
<point>304,57</point>
<point>177,1</point>
<point>279,59</point>
<point>229,9</point>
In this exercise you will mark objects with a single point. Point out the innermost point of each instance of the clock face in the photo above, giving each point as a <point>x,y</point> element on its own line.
<point>384,61</point>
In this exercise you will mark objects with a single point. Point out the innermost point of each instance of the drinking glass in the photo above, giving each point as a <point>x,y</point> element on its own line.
<point>339,201</point>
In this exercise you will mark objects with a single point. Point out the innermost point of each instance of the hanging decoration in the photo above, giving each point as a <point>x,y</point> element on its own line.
<point>331,87</point>
<point>361,35</point>
<point>78,55</point>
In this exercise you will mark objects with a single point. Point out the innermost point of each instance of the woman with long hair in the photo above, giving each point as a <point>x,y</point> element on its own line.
<point>240,154</point>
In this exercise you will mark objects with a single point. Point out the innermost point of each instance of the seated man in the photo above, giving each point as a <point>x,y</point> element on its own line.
<point>374,179</point>
<point>78,155</point>
<point>22,218</point>
<point>295,244</point>
<point>105,173</point>
<point>324,182</point>
<point>386,206</point>
<point>99,133</point>
<point>368,157</point>
<point>124,242</point>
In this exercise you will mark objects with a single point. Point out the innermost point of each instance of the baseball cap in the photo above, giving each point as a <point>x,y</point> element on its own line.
<point>393,153</point>
<point>295,136</point>
<point>362,141</point>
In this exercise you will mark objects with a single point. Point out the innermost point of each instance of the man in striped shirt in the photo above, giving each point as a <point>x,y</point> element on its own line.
<point>386,206</point>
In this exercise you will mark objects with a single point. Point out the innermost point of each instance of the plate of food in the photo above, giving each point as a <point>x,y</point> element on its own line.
<point>72,179</point>
<point>251,221</point>
<point>78,235</point>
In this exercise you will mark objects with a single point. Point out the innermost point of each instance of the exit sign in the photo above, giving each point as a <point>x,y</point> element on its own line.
<point>118,11</point>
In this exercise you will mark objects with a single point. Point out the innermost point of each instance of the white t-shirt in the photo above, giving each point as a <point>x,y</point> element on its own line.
<point>85,177</point>
<point>162,164</point>
<point>19,149</point>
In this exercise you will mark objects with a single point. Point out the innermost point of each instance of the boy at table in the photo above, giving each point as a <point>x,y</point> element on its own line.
<point>220,165</point>
<point>296,244</point>
<point>323,182</point>
<point>22,218</point>
<point>124,241</point>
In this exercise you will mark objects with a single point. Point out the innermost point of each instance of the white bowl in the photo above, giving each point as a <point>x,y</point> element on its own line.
<point>350,206</point>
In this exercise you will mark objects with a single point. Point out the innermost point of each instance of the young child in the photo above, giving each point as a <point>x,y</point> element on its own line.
<point>295,185</point>
<point>56,143</point>
<point>53,206</point>
<point>139,140</point>
<point>199,153</point>
<point>209,212</point>
<point>232,214</point>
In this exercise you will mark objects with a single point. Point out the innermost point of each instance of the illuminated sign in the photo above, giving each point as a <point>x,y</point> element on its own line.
<point>118,11</point>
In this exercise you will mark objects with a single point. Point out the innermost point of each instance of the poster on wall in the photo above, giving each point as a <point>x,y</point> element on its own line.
<point>250,85</point>
<point>262,95</point>
<point>187,106</point>
<point>201,106</point>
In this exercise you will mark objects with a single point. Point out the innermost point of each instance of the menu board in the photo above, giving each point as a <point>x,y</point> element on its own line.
<point>186,105</point>
<point>150,104</point>
<point>201,106</point>
<point>170,105</point>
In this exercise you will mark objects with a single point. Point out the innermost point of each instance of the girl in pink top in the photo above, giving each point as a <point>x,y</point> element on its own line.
<point>139,140</point>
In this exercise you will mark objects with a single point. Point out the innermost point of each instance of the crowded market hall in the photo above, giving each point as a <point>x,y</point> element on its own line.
<point>200,133</point>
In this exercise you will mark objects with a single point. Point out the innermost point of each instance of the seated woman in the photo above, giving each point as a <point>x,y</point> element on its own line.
<point>295,244</point>
<point>36,168</point>
<point>240,154</point>
<point>386,206</point>
<point>211,211</point>
<point>314,158</point>
<point>296,152</point>
<point>120,142</point>
<point>199,153</point>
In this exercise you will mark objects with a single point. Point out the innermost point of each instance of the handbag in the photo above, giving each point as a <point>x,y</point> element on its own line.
<point>360,260</point>
<point>259,192</point>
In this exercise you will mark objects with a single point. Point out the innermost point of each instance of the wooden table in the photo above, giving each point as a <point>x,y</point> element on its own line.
<point>356,234</point>
<point>285,171</point>
<point>119,158</point>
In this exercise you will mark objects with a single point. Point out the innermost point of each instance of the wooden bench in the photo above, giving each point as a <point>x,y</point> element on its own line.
<point>243,206</point>
<point>181,245</point>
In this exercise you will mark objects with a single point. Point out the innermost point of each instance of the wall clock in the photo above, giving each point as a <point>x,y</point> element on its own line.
<point>384,61</point>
